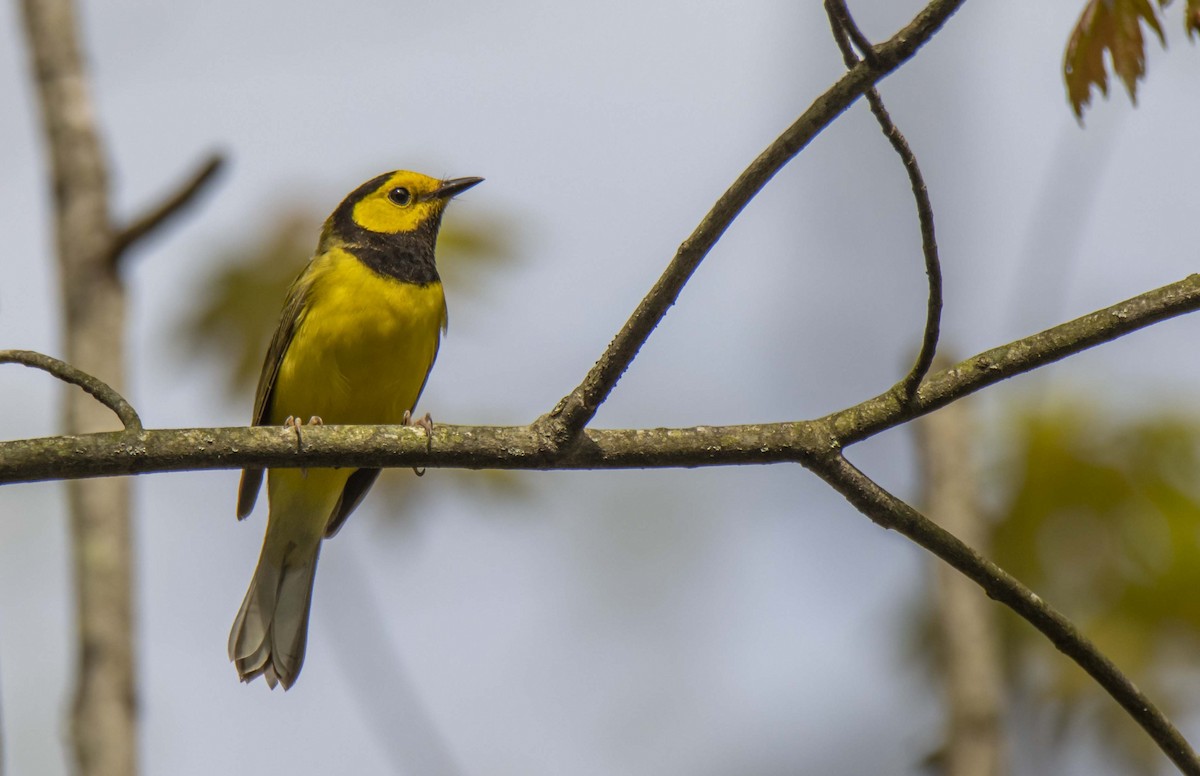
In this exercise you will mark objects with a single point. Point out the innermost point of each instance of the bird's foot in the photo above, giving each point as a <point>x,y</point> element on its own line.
<point>295,423</point>
<point>425,423</point>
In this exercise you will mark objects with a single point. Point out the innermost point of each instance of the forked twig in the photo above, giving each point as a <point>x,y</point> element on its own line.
<point>846,31</point>
<point>563,424</point>
<point>843,25</point>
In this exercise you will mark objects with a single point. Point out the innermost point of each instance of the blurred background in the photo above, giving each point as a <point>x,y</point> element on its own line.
<point>668,622</point>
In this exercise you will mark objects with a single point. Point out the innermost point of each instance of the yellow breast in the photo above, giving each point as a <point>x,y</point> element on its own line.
<point>362,347</point>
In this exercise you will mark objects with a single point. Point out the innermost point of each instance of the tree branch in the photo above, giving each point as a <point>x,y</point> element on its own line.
<point>844,31</point>
<point>577,408</point>
<point>69,374</point>
<point>558,440</point>
<point>468,447</point>
<point>815,444</point>
<point>151,220</point>
<point>526,447</point>
<point>890,512</point>
<point>890,409</point>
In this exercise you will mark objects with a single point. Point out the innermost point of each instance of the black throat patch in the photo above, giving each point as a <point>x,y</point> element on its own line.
<point>407,256</point>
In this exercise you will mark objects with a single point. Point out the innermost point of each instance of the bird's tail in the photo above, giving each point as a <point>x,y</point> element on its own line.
<point>271,628</point>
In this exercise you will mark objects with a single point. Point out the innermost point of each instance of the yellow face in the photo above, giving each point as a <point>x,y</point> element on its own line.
<point>400,204</point>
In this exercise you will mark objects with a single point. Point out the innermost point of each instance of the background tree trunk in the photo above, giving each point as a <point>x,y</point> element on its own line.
<point>966,628</point>
<point>104,712</point>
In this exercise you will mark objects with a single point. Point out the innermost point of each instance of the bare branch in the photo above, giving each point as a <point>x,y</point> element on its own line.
<point>69,374</point>
<point>90,247</point>
<point>526,447</point>
<point>467,447</point>
<point>815,444</point>
<point>183,196</point>
<point>933,267</point>
<point>890,512</point>
<point>845,30</point>
<point>891,409</point>
<point>577,408</point>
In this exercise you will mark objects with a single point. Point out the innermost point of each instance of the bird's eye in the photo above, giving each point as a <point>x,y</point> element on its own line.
<point>400,195</point>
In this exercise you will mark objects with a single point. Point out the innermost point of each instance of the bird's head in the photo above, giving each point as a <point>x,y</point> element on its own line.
<point>401,202</point>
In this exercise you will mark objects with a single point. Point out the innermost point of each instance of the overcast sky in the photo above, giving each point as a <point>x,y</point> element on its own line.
<point>702,622</point>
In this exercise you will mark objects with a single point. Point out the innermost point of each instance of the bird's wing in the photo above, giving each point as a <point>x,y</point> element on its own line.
<point>292,307</point>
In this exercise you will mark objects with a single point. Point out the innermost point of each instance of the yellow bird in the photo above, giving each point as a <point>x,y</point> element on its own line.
<point>358,335</point>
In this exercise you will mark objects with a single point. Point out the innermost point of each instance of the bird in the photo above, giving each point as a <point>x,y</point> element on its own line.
<point>357,338</point>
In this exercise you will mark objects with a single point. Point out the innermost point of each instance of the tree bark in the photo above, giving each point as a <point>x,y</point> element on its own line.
<point>104,714</point>
<point>966,628</point>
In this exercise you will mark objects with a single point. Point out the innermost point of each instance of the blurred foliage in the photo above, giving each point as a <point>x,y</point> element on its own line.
<point>237,311</point>
<point>1100,515</point>
<point>1115,27</point>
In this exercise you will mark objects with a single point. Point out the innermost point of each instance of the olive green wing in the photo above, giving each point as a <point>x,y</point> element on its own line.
<point>293,306</point>
<point>353,493</point>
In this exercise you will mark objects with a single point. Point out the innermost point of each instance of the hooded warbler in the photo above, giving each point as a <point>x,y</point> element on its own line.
<point>358,335</point>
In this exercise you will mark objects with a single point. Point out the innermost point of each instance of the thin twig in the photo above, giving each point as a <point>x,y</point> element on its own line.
<point>846,30</point>
<point>885,411</point>
<point>890,512</point>
<point>576,409</point>
<point>99,389</point>
<point>844,26</point>
<point>183,196</point>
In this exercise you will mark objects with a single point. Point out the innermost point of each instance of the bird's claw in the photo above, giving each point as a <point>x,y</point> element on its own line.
<point>425,423</point>
<point>295,423</point>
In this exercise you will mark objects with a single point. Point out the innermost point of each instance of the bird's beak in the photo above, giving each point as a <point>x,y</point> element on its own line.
<point>454,187</point>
